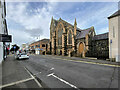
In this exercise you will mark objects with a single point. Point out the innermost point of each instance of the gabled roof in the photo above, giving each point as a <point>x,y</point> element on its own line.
<point>55,22</point>
<point>117,13</point>
<point>83,33</point>
<point>101,36</point>
<point>80,33</point>
<point>66,23</point>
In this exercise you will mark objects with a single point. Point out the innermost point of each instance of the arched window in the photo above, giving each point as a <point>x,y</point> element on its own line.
<point>70,37</point>
<point>60,31</point>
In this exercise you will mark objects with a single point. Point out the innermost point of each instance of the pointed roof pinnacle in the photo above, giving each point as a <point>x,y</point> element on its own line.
<point>52,17</point>
<point>75,23</point>
<point>92,27</point>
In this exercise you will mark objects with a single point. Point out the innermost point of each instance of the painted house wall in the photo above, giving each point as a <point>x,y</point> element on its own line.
<point>119,38</point>
<point>114,43</point>
<point>1,44</point>
<point>2,27</point>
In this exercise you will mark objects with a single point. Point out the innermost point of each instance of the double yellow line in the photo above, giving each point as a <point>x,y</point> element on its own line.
<point>88,62</point>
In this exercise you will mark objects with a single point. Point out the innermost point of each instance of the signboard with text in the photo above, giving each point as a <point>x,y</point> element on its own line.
<point>5,38</point>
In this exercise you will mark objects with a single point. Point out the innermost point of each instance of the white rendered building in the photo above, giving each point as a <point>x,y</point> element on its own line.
<point>114,36</point>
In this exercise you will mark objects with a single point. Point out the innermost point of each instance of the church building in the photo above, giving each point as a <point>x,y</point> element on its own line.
<point>67,39</point>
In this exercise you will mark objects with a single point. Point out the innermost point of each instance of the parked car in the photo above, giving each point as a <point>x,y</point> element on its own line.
<point>21,55</point>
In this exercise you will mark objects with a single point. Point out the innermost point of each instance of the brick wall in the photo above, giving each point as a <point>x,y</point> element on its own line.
<point>42,44</point>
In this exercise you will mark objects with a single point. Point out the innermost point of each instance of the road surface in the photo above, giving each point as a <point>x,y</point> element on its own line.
<point>52,72</point>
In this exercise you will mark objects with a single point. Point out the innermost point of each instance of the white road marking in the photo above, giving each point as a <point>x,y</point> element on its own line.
<point>52,69</point>
<point>37,73</point>
<point>33,78</point>
<point>21,81</point>
<point>52,74</point>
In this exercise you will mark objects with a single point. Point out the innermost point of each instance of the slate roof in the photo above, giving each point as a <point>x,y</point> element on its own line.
<point>70,24</point>
<point>55,22</point>
<point>65,23</point>
<point>82,33</point>
<point>101,36</point>
<point>117,13</point>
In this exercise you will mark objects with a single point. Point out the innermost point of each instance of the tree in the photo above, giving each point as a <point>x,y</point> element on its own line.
<point>14,48</point>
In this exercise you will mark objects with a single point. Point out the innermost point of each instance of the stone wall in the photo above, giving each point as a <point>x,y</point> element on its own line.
<point>99,49</point>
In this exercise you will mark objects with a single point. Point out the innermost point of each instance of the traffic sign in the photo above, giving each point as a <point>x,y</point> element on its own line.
<point>111,41</point>
<point>14,47</point>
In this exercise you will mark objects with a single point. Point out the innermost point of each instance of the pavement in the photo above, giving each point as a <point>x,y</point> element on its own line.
<point>60,72</point>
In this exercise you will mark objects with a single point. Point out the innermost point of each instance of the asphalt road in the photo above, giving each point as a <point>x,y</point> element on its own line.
<point>14,75</point>
<point>52,72</point>
<point>58,73</point>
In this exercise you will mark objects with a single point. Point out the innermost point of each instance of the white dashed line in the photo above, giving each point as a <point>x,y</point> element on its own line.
<point>52,69</point>
<point>52,74</point>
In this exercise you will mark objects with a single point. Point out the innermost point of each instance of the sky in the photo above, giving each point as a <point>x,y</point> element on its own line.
<point>28,20</point>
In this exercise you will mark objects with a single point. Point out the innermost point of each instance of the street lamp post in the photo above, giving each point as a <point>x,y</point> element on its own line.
<point>38,44</point>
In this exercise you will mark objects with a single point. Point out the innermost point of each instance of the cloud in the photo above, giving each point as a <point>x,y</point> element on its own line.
<point>19,37</point>
<point>95,15</point>
<point>103,30</point>
<point>32,19</point>
<point>35,21</point>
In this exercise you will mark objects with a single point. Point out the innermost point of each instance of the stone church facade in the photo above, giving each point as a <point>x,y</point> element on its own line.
<point>68,39</point>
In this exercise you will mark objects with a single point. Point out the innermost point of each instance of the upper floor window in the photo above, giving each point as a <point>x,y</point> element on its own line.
<point>43,45</point>
<point>36,46</point>
<point>113,32</point>
<point>70,37</point>
<point>60,31</point>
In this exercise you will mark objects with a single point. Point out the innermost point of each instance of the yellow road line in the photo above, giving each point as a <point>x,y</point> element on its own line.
<point>89,62</point>
<point>94,63</point>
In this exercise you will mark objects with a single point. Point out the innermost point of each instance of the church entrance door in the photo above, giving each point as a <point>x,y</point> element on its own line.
<point>81,48</point>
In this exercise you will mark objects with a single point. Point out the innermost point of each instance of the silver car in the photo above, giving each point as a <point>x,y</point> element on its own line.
<point>21,55</point>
